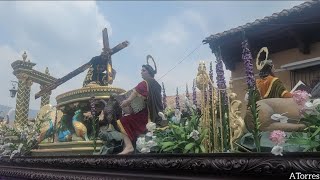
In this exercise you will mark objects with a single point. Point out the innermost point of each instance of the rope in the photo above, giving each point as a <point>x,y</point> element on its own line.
<point>180,61</point>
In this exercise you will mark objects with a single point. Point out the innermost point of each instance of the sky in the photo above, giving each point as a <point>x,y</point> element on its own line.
<point>66,34</point>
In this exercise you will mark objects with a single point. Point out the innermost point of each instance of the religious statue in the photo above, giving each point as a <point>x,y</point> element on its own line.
<point>275,99</point>
<point>97,65</point>
<point>100,73</point>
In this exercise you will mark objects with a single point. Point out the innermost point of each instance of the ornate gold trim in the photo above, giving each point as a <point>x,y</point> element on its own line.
<point>270,86</point>
<point>91,89</point>
<point>284,92</point>
<point>81,99</point>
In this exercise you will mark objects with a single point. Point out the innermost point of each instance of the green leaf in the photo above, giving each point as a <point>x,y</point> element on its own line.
<point>299,141</point>
<point>315,133</point>
<point>189,146</point>
<point>197,150</point>
<point>166,144</point>
<point>203,134</point>
<point>203,149</point>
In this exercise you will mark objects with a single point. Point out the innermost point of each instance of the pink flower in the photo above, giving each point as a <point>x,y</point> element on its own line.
<point>300,97</point>
<point>277,137</point>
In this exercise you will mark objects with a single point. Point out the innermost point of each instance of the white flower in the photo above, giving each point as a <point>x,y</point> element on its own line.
<point>145,150</point>
<point>194,134</point>
<point>151,126</point>
<point>149,134</point>
<point>141,143</point>
<point>151,144</point>
<point>177,113</point>
<point>277,150</point>
<point>194,107</point>
<point>284,120</point>
<point>310,107</point>
<point>177,116</point>
<point>188,103</point>
<point>280,117</point>
<point>163,117</point>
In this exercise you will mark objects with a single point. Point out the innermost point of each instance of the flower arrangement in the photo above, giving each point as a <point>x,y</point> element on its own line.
<point>300,97</point>
<point>184,133</point>
<point>278,138</point>
<point>147,142</point>
<point>310,116</point>
<point>21,140</point>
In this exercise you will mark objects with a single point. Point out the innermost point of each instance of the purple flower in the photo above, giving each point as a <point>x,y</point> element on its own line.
<point>164,97</point>
<point>194,94</point>
<point>247,59</point>
<point>177,100</point>
<point>221,82</point>
<point>187,92</point>
<point>210,87</point>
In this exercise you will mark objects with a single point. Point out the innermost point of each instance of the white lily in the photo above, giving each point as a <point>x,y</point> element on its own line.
<point>141,143</point>
<point>277,150</point>
<point>151,126</point>
<point>163,117</point>
<point>194,134</point>
<point>280,117</point>
<point>151,144</point>
<point>149,134</point>
<point>145,150</point>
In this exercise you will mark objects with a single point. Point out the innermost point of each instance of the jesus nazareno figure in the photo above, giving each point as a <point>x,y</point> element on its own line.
<point>100,73</point>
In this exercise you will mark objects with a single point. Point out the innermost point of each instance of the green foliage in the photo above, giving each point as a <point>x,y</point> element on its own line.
<point>23,139</point>
<point>185,137</point>
<point>254,109</point>
<point>310,138</point>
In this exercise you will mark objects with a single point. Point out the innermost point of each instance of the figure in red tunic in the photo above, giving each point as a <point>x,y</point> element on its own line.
<point>133,125</point>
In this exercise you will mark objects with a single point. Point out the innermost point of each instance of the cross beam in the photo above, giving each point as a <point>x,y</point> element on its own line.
<point>106,57</point>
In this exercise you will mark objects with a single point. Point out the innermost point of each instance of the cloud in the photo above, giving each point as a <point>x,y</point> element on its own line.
<point>58,35</point>
<point>174,32</point>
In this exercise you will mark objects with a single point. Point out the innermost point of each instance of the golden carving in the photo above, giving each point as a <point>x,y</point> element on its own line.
<point>237,124</point>
<point>202,78</point>
<point>212,119</point>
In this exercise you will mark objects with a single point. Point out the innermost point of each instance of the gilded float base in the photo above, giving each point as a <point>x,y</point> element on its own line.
<point>66,148</point>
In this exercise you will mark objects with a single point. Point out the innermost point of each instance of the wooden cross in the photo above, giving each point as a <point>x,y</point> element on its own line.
<point>105,55</point>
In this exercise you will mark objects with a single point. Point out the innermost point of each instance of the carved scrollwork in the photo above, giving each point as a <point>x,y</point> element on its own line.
<point>156,165</point>
<point>237,124</point>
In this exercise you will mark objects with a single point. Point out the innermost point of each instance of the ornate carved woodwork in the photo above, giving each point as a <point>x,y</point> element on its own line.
<point>162,166</point>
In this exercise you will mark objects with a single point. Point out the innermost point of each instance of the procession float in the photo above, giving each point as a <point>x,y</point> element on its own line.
<point>236,130</point>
